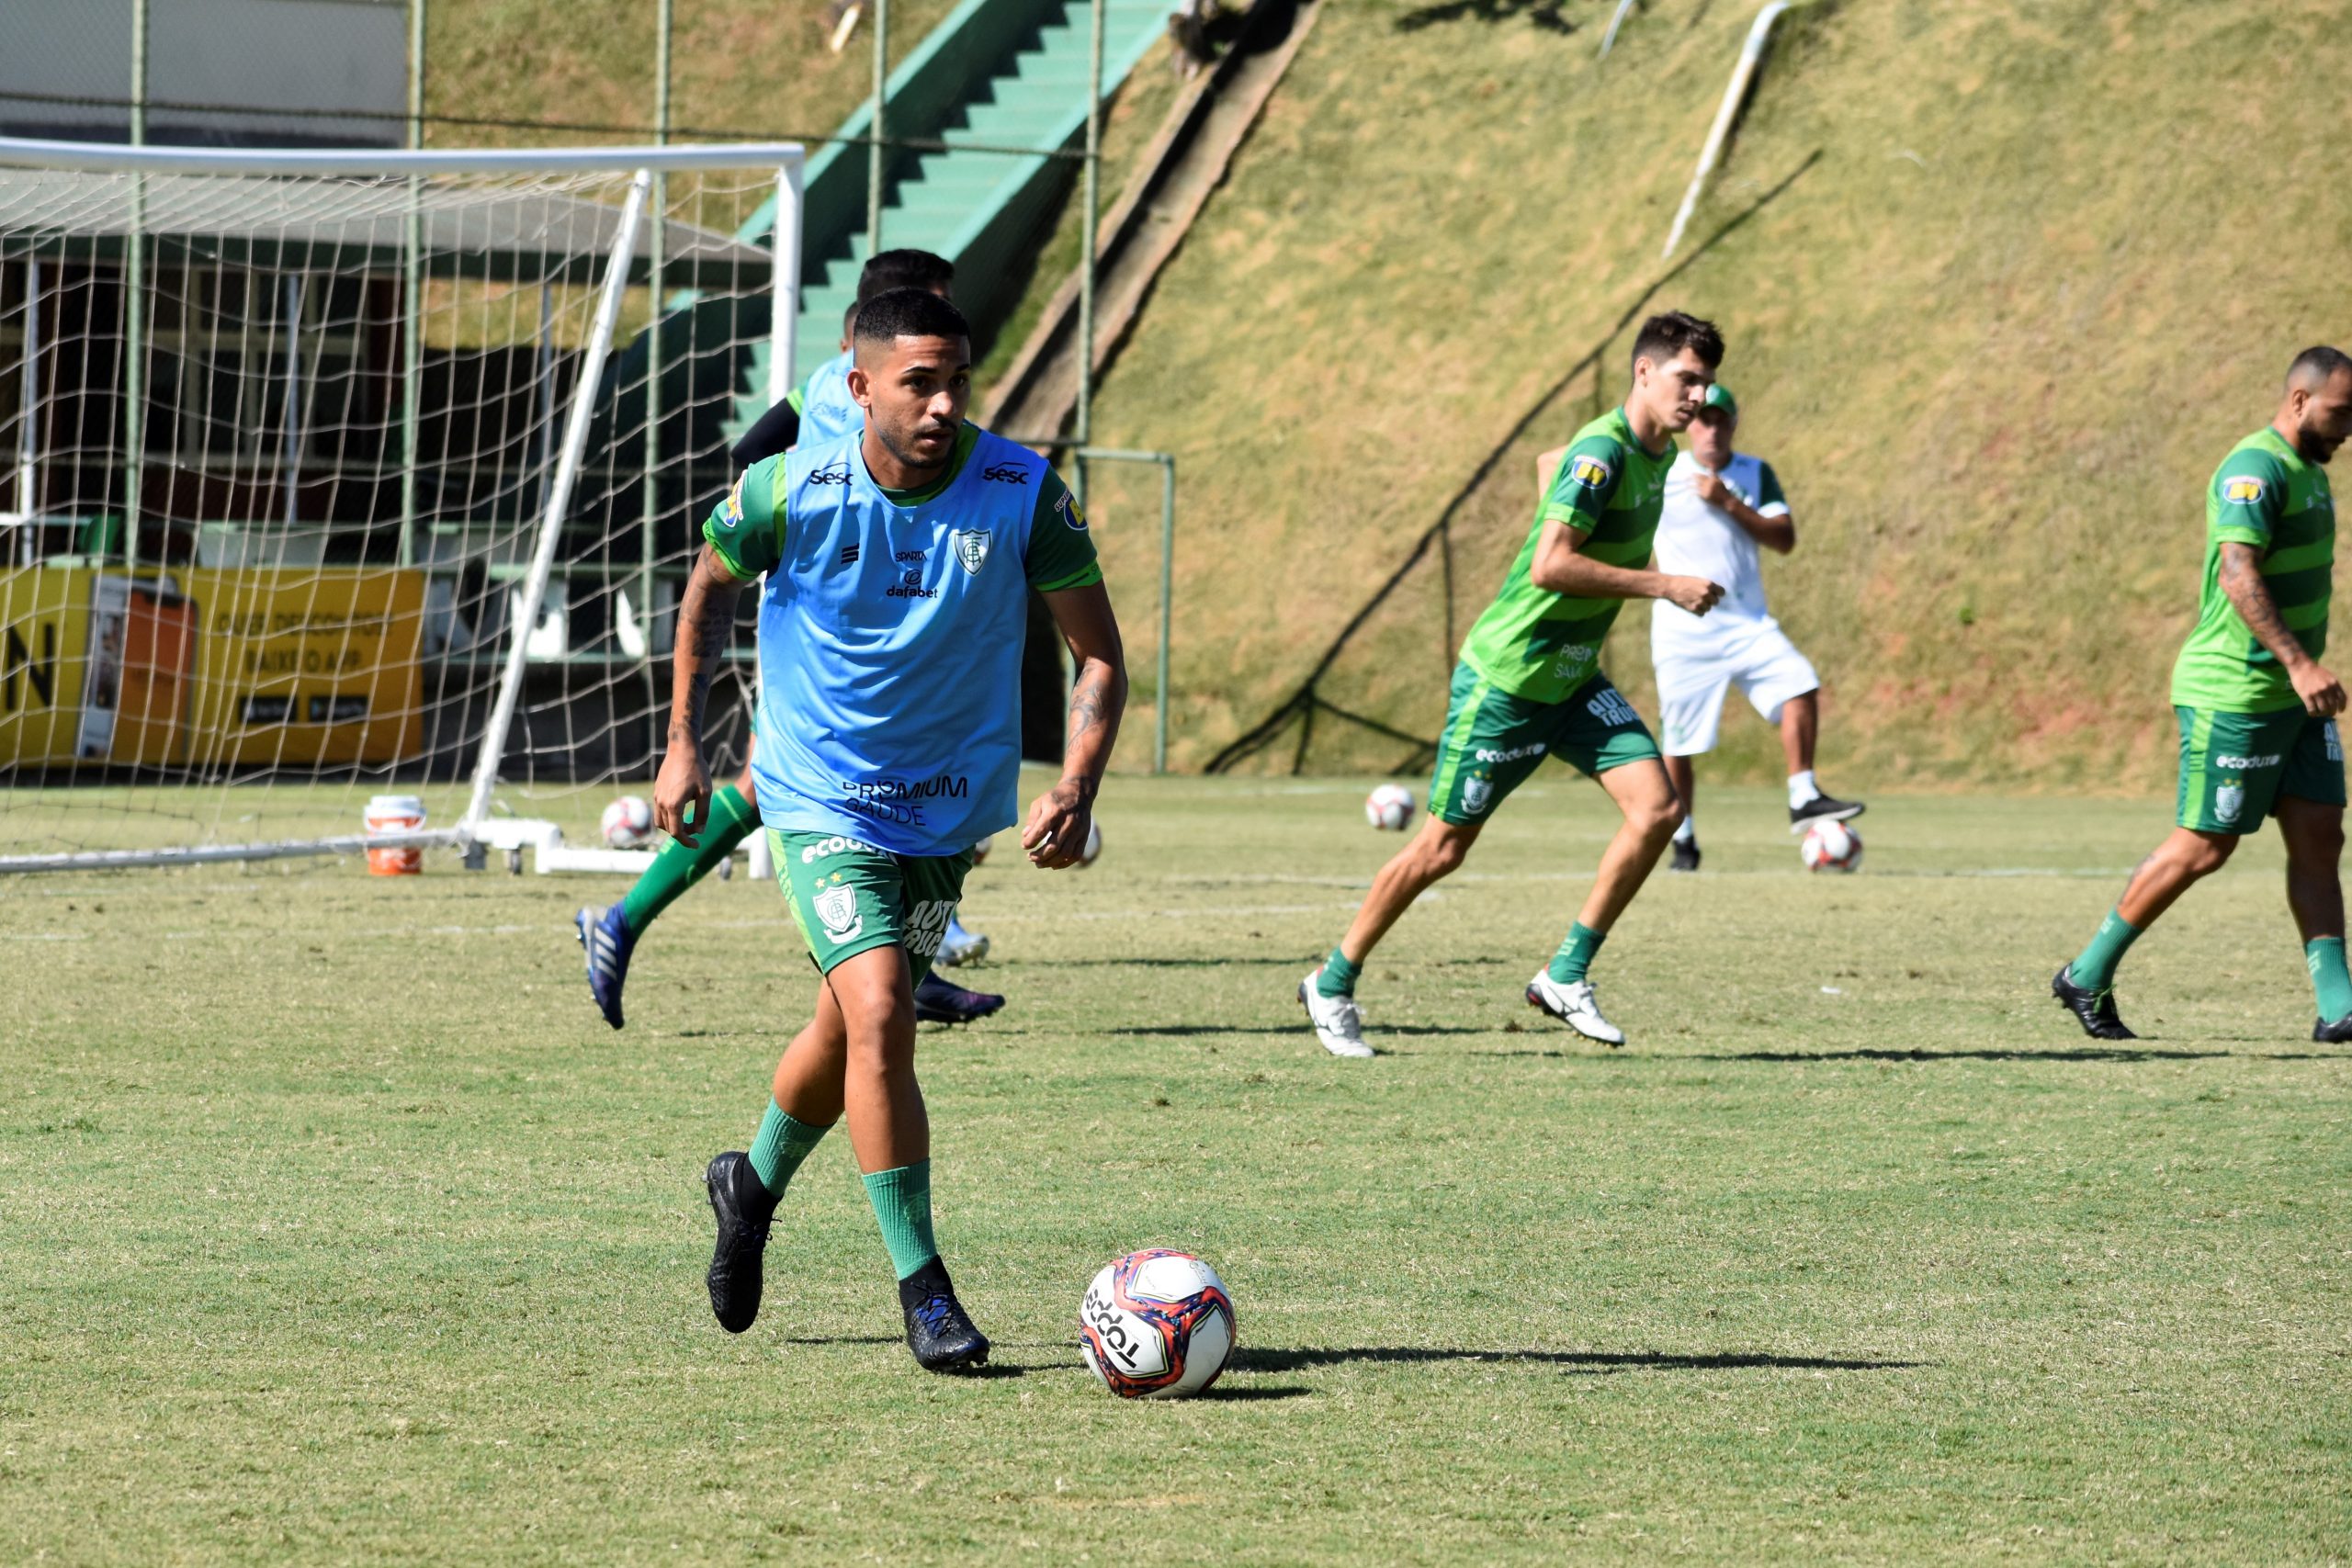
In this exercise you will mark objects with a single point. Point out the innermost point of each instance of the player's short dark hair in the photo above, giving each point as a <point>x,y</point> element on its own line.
<point>904,269</point>
<point>1663,337</point>
<point>909,312</point>
<point>2317,364</point>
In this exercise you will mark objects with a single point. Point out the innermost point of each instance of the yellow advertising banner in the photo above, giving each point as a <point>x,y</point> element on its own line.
<point>247,666</point>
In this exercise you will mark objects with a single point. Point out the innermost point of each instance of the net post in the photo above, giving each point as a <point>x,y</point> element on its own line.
<point>874,129</point>
<point>413,291</point>
<point>28,427</point>
<point>656,236</point>
<point>783,327</point>
<point>134,401</point>
<point>558,498</point>
<point>1091,183</point>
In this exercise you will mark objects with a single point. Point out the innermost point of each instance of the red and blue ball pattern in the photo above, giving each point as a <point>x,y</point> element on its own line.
<point>1156,1325</point>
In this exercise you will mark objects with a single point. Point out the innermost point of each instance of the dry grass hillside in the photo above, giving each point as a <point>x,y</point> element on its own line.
<point>2002,282</point>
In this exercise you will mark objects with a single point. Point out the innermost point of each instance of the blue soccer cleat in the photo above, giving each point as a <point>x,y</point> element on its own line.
<point>607,938</point>
<point>960,947</point>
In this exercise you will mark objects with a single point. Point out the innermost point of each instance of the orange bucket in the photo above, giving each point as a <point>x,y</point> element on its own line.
<point>395,814</point>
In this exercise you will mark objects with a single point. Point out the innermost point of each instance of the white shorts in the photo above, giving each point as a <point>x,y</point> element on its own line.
<point>1692,681</point>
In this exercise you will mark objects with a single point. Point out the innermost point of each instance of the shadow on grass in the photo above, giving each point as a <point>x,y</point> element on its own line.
<point>1882,1053</point>
<point>1298,1029</point>
<point>1239,1393</point>
<point>1581,1363</point>
<point>1309,959</point>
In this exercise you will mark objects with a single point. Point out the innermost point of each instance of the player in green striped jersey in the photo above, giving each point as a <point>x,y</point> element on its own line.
<point>1530,683</point>
<point>2257,708</point>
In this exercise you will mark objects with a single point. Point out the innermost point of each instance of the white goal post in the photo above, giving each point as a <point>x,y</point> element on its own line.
<point>326,476</point>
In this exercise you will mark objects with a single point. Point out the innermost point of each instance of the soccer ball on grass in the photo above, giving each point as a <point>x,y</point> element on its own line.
<point>628,823</point>
<point>1831,846</point>
<point>1156,1325</point>
<point>1389,807</point>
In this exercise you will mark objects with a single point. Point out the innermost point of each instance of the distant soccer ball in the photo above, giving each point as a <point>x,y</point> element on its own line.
<point>980,849</point>
<point>1156,1325</point>
<point>1831,846</point>
<point>1093,849</point>
<point>628,823</point>
<point>1390,807</point>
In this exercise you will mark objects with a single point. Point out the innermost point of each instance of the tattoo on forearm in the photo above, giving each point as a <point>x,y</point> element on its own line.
<point>705,623</point>
<point>2241,575</point>
<point>1096,699</point>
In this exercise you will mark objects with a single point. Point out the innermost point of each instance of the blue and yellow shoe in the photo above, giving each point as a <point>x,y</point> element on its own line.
<point>608,942</point>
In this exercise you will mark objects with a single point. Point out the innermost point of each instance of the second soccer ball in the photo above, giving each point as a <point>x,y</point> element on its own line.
<point>1831,846</point>
<point>1389,806</point>
<point>1156,1325</point>
<point>627,823</point>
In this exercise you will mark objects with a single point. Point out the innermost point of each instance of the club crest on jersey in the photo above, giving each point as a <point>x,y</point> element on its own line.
<point>2243,490</point>
<point>971,548</point>
<point>1073,516</point>
<point>731,511</point>
<point>1477,793</point>
<point>837,907</point>
<point>2228,801</point>
<point>1589,473</point>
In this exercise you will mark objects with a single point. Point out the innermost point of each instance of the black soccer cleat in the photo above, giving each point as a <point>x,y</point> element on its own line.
<point>1685,855</point>
<point>2335,1034</point>
<point>743,1206</point>
<point>941,1336</point>
<point>2095,1011</point>
<point>936,1001</point>
<point>1824,809</point>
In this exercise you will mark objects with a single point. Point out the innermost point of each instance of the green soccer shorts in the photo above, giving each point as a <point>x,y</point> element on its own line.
<point>2235,766</point>
<point>1493,741</point>
<point>848,897</point>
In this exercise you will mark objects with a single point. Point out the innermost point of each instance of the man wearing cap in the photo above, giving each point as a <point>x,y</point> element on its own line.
<point>1720,506</point>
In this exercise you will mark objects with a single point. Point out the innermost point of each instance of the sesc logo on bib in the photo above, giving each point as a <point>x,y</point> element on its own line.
<point>837,907</point>
<point>971,548</point>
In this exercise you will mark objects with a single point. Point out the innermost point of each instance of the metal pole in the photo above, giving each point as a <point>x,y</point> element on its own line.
<point>413,293</point>
<point>28,429</point>
<point>873,147</point>
<point>134,348</point>
<point>665,17</point>
<point>575,443</point>
<point>1090,182</point>
<point>290,431</point>
<point>784,319</point>
<point>546,388</point>
<point>1167,612</point>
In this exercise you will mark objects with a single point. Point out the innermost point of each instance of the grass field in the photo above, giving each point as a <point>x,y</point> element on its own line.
<point>339,1229</point>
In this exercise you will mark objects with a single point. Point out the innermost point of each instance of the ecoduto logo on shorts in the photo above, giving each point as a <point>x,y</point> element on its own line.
<point>825,849</point>
<point>1489,754</point>
<point>2247,764</point>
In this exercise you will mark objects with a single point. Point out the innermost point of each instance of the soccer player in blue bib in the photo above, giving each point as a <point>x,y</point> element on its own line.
<point>821,411</point>
<point>898,564</point>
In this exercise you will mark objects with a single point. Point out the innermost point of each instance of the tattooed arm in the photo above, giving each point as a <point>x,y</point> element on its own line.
<point>1056,834</point>
<point>706,622</point>
<point>2241,577</point>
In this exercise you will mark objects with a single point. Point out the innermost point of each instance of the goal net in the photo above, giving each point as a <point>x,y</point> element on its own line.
<point>350,487</point>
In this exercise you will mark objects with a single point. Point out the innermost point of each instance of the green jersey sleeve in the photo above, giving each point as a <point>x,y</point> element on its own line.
<point>1771,499</point>
<point>2250,497</point>
<point>746,527</point>
<point>1588,476</point>
<point>1061,552</point>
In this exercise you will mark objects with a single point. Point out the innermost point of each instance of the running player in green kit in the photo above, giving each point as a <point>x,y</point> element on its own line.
<point>2257,708</point>
<point>1530,684</point>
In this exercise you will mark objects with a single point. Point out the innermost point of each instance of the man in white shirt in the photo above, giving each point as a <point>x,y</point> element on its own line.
<point>1720,506</point>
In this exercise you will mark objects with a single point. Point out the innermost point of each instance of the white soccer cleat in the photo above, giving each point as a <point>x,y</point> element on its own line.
<point>1337,1022</point>
<point>960,947</point>
<point>1575,1006</point>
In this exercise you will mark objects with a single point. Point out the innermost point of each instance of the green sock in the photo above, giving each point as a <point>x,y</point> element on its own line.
<point>1339,976</point>
<point>1575,955</point>
<point>901,1201</point>
<point>781,1145</point>
<point>732,819</point>
<point>2324,956</point>
<point>2095,968</point>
